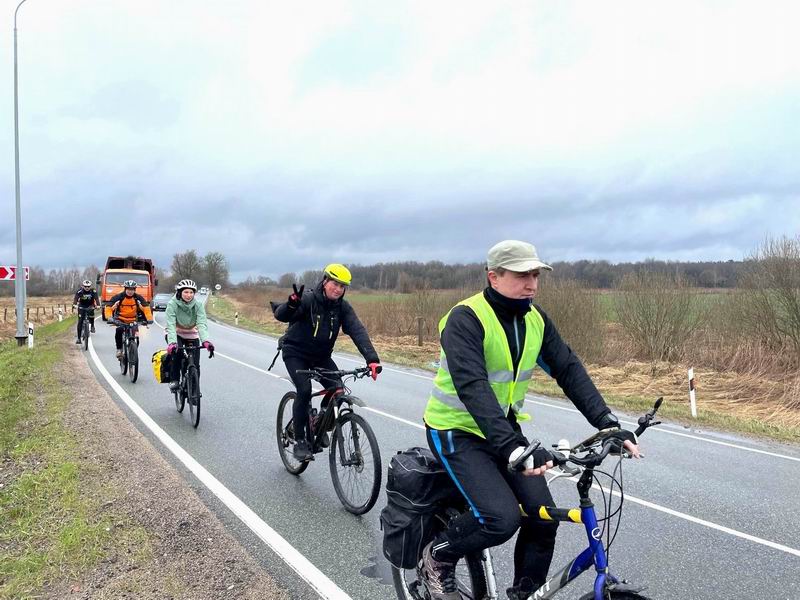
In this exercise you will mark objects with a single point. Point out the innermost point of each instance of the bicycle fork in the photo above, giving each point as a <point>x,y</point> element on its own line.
<point>354,458</point>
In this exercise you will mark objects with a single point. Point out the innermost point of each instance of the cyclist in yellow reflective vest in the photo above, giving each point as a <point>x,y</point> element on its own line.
<point>491,344</point>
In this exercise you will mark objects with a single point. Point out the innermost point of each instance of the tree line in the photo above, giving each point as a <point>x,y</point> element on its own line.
<point>409,276</point>
<point>212,269</point>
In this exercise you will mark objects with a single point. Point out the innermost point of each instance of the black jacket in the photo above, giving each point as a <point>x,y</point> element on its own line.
<point>462,342</point>
<point>86,299</point>
<point>314,326</point>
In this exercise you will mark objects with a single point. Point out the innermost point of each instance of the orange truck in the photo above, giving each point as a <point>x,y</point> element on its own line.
<point>120,269</point>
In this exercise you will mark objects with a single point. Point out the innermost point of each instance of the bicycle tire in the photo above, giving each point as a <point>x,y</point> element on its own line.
<point>285,435</point>
<point>369,459</point>
<point>612,595</point>
<point>133,362</point>
<point>470,578</point>
<point>180,399</point>
<point>123,361</point>
<point>193,395</point>
<point>85,334</point>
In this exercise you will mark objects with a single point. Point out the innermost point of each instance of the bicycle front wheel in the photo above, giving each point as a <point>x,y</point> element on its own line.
<point>180,399</point>
<point>285,432</point>
<point>470,580</point>
<point>356,465</point>
<point>193,395</point>
<point>86,334</point>
<point>133,362</point>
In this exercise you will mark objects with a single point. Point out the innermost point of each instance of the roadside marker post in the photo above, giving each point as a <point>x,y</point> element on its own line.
<point>692,400</point>
<point>30,335</point>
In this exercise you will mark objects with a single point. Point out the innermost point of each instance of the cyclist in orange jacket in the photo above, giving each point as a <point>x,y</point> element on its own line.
<point>126,307</point>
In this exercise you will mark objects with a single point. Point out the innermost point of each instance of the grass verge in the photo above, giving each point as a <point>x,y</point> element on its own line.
<point>52,526</point>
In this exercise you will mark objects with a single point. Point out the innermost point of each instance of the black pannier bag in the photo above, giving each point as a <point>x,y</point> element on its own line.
<point>417,486</point>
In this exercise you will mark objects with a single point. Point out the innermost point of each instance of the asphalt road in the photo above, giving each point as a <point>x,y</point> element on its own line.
<point>707,515</point>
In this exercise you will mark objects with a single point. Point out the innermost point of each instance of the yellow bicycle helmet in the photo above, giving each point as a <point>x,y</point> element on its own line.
<point>338,273</point>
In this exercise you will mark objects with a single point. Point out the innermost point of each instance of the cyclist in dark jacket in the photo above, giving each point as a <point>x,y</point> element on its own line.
<point>315,318</point>
<point>85,299</point>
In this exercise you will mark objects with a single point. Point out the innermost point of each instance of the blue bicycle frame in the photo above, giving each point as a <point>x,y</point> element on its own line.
<point>595,554</point>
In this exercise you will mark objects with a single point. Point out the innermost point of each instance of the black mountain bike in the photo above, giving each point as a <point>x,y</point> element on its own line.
<point>354,459</point>
<point>129,361</point>
<point>85,313</point>
<point>189,387</point>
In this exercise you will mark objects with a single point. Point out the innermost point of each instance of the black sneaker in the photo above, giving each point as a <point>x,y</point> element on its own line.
<point>302,452</point>
<point>93,331</point>
<point>439,578</point>
<point>174,386</point>
<point>522,590</point>
<point>78,341</point>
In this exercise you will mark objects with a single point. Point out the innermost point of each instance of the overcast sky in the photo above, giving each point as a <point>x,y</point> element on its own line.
<point>289,135</point>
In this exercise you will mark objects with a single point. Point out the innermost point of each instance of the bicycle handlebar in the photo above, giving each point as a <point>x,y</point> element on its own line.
<point>317,373</point>
<point>609,439</point>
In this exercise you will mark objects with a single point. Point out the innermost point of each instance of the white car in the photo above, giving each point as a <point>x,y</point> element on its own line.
<point>203,290</point>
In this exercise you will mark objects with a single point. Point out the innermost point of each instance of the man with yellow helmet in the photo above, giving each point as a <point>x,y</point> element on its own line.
<point>315,318</point>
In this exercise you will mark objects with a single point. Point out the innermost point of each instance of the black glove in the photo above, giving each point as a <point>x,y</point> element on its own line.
<point>294,298</point>
<point>608,420</point>
<point>620,437</point>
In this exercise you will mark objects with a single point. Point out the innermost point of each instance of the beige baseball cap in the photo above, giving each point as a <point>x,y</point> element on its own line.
<point>515,256</point>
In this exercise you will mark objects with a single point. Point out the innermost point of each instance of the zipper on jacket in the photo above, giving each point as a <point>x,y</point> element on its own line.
<point>516,337</point>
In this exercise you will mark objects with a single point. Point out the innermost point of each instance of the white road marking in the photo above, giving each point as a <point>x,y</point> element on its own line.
<point>299,563</point>
<point>645,503</point>
<point>678,433</point>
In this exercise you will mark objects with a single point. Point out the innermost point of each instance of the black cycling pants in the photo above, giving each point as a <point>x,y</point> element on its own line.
<point>175,365</point>
<point>81,317</point>
<point>302,382</point>
<point>494,496</point>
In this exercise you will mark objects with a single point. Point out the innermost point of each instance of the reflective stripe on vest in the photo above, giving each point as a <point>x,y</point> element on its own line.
<point>446,411</point>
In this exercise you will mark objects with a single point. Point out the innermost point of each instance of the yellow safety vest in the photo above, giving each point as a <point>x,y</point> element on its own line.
<point>446,411</point>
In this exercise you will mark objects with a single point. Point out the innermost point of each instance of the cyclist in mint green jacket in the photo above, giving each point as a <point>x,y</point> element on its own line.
<point>187,326</point>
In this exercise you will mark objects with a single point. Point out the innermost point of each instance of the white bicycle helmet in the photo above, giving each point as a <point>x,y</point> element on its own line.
<point>86,283</point>
<point>130,284</point>
<point>185,283</point>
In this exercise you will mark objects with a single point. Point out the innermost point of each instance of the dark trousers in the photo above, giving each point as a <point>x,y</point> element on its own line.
<point>302,404</point>
<point>494,496</point>
<point>83,314</point>
<point>175,366</point>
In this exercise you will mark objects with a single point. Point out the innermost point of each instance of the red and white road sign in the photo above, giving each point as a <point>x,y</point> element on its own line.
<point>9,273</point>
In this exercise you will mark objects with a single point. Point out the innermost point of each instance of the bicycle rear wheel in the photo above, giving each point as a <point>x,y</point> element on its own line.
<point>470,579</point>
<point>133,361</point>
<point>285,432</point>
<point>356,472</point>
<point>193,394</point>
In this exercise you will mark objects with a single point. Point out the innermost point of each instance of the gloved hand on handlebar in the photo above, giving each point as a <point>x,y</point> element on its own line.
<point>374,369</point>
<point>626,439</point>
<point>296,295</point>
<point>209,346</point>
<point>536,464</point>
<point>171,348</point>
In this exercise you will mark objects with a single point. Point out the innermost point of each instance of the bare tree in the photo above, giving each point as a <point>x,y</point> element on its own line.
<point>215,269</point>
<point>186,265</point>
<point>287,279</point>
<point>658,312</point>
<point>771,298</point>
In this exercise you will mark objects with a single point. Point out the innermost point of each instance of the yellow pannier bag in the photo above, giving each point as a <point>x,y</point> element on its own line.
<point>161,362</point>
